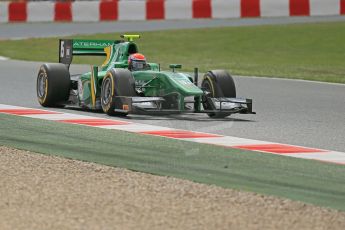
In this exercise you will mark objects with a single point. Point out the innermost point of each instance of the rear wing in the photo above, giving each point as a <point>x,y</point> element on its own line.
<point>70,47</point>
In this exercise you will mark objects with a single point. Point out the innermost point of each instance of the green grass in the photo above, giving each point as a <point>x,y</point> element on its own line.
<point>305,180</point>
<point>302,51</point>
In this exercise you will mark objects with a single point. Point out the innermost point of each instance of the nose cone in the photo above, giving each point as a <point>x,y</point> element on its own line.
<point>184,85</point>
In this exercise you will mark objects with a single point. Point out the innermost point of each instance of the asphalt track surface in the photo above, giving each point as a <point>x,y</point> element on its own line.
<point>25,30</point>
<point>294,112</point>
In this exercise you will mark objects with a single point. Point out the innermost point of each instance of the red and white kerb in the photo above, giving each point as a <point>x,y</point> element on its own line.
<point>138,10</point>
<point>186,135</point>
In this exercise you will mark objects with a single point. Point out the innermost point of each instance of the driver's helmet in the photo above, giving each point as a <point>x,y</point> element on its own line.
<point>136,62</point>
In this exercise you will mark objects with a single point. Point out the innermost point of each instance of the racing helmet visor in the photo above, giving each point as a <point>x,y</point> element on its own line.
<point>138,64</point>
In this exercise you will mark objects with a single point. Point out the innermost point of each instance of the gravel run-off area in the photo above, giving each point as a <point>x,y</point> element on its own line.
<point>46,192</point>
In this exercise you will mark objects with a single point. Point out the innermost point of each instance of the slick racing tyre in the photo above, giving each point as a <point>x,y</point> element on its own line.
<point>218,83</point>
<point>53,85</point>
<point>116,82</point>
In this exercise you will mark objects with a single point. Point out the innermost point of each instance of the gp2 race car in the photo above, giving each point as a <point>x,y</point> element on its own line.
<point>117,90</point>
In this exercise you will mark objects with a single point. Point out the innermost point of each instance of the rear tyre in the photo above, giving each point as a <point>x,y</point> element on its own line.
<point>53,85</point>
<point>116,82</point>
<point>218,83</point>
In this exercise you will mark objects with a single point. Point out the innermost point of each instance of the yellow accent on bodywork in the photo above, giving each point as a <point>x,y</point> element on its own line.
<point>108,51</point>
<point>93,88</point>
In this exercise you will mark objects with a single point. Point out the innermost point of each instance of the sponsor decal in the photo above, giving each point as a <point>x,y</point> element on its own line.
<point>91,44</point>
<point>65,50</point>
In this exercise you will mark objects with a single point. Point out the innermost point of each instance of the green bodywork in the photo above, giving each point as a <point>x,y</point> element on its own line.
<point>151,82</point>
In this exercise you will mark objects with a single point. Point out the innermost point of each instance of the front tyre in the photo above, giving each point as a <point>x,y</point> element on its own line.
<point>218,83</point>
<point>116,82</point>
<point>53,85</point>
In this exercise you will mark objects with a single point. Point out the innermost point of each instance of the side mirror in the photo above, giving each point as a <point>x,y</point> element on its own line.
<point>175,66</point>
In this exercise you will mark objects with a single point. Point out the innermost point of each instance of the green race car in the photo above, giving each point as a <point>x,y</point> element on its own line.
<point>126,83</point>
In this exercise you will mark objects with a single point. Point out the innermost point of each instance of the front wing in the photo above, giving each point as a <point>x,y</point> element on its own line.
<point>153,106</point>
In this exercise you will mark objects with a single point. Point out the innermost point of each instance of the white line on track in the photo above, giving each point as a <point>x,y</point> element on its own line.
<point>290,79</point>
<point>2,58</point>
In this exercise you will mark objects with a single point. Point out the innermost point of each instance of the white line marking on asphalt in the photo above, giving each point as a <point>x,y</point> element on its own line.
<point>290,79</point>
<point>2,58</point>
